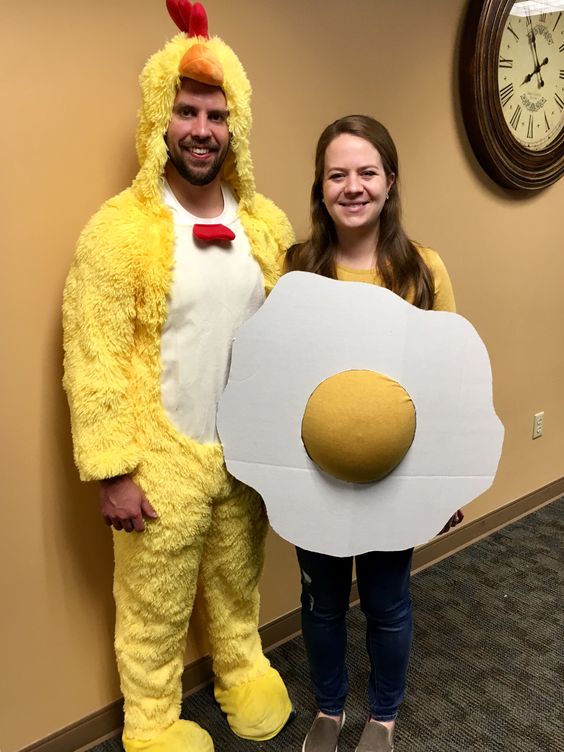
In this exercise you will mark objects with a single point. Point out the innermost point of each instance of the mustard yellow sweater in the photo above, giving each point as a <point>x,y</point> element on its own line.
<point>444,296</point>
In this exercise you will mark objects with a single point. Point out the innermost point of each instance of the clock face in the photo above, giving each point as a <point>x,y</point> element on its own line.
<point>531,73</point>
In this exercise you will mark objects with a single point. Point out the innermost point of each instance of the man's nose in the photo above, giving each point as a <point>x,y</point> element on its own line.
<point>201,126</point>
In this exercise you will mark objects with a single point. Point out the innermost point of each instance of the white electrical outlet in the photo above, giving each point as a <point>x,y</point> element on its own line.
<point>538,425</point>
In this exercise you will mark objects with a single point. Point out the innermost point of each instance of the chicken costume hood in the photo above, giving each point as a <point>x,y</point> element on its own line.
<point>192,54</point>
<point>210,529</point>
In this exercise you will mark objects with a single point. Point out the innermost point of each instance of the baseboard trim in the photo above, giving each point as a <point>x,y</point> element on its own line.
<point>459,538</point>
<point>107,722</point>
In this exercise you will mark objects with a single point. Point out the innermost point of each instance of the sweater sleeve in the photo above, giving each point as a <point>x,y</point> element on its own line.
<point>444,295</point>
<point>98,327</point>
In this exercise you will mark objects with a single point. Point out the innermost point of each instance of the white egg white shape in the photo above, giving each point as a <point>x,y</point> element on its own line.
<point>311,328</point>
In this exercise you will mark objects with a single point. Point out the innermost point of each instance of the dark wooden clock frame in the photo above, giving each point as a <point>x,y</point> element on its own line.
<point>507,162</point>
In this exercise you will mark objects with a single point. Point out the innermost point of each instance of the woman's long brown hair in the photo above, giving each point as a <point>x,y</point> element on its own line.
<point>398,261</point>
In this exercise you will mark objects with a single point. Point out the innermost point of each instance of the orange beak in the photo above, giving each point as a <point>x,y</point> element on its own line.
<point>201,65</point>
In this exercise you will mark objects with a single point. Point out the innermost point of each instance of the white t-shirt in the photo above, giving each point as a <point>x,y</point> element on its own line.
<point>215,288</point>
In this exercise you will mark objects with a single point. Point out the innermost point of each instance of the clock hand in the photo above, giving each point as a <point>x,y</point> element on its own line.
<point>541,82</point>
<point>538,66</point>
<point>536,70</point>
<point>533,42</point>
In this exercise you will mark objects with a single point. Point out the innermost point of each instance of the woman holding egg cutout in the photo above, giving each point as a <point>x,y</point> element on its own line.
<point>357,236</point>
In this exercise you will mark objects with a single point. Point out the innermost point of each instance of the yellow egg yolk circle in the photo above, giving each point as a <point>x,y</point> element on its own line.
<point>358,425</point>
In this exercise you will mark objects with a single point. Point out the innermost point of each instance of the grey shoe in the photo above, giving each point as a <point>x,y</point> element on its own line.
<point>323,734</point>
<point>375,738</point>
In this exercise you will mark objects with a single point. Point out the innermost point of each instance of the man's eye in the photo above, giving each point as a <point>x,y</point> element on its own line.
<point>217,117</point>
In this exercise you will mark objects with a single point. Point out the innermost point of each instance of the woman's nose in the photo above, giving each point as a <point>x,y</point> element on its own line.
<point>352,184</point>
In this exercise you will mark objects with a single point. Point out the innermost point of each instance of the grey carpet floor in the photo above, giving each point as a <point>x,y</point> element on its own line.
<point>487,669</point>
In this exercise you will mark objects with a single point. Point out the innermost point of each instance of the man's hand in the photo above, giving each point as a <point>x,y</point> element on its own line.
<point>123,504</point>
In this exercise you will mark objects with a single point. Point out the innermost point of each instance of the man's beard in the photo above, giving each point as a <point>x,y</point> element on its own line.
<point>197,176</point>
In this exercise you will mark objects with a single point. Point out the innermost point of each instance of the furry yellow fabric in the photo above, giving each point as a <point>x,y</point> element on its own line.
<point>180,737</point>
<point>115,305</point>
<point>259,720</point>
<point>209,526</point>
<point>159,81</point>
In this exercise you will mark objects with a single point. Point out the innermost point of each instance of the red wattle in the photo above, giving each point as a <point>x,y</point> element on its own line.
<point>208,233</point>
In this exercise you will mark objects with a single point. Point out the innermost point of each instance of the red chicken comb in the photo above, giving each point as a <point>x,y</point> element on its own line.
<point>199,22</point>
<point>180,11</point>
<point>192,19</point>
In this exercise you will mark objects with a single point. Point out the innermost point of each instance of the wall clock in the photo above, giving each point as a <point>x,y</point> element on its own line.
<point>511,75</point>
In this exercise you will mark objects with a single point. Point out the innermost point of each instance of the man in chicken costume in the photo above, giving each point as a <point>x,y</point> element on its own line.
<point>163,275</point>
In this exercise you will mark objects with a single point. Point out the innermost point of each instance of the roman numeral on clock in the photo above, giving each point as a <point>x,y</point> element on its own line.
<point>530,127</point>
<point>505,94</point>
<point>556,24</point>
<point>559,101</point>
<point>546,125</point>
<point>515,118</point>
<point>505,62</point>
<point>514,34</point>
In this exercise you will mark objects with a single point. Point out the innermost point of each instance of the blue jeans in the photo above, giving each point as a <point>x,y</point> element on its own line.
<point>383,585</point>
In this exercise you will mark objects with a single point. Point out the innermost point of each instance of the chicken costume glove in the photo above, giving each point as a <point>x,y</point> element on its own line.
<point>211,529</point>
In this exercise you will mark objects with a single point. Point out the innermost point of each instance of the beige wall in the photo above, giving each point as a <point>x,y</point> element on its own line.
<point>68,77</point>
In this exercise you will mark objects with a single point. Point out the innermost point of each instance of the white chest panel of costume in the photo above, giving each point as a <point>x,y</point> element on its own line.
<point>215,288</point>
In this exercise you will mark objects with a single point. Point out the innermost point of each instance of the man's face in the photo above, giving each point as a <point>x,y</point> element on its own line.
<point>198,136</point>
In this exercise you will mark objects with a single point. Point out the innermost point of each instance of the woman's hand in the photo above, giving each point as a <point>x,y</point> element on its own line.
<point>456,518</point>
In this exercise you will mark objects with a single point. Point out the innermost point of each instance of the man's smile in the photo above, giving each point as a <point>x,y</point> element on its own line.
<point>200,152</point>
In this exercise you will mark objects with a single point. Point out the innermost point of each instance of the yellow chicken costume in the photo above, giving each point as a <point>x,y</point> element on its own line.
<point>210,528</point>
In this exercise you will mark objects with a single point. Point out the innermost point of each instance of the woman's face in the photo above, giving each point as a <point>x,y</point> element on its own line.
<point>354,183</point>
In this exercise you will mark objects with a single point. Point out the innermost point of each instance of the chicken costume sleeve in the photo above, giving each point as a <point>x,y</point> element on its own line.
<point>210,528</point>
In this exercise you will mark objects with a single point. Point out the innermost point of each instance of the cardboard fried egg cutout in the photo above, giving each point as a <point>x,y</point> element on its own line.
<point>363,421</point>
